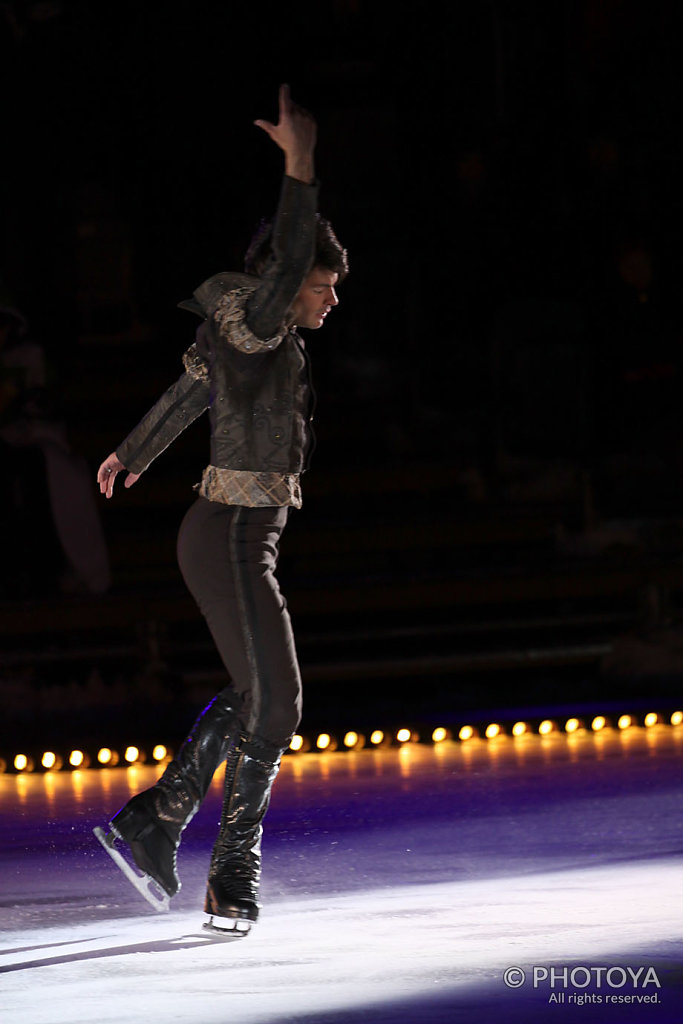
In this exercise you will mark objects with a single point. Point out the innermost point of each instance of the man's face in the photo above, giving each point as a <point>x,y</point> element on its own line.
<point>316,299</point>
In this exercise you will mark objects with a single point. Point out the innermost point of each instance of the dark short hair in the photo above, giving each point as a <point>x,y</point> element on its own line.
<point>329,252</point>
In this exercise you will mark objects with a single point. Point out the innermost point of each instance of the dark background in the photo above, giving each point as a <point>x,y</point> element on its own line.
<point>499,457</point>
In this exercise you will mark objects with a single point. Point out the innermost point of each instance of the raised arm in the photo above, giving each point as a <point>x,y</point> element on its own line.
<point>295,134</point>
<point>293,236</point>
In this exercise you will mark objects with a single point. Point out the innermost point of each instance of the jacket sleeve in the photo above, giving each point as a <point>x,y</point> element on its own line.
<point>176,409</point>
<point>293,244</point>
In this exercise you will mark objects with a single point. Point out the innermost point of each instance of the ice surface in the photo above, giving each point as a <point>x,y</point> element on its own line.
<point>398,887</point>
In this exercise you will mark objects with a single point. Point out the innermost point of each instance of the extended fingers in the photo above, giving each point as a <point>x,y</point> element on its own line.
<point>105,478</point>
<point>285,101</point>
<point>267,127</point>
<point>107,486</point>
<point>285,110</point>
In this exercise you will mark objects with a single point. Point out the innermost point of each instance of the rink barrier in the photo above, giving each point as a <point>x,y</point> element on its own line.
<point>27,761</point>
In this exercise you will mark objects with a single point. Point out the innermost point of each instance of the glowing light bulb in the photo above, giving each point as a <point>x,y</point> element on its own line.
<point>50,760</point>
<point>77,759</point>
<point>492,730</point>
<point>377,737</point>
<point>107,757</point>
<point>439,735</point>
<point>323,741</point>
<point>131,755</point>
<point>403,735</point>
<point>352,739</point>
<point>572,725</point>
<point>466,733</point>
<point>624,722</point>
<point>519,728</point>
<point>297,743</point>
<point>23,763</point>
<point>546,727</point>
<point>650,719</point>
<point>159,752</point>
<point>598,723</point>
<point>677,717</point>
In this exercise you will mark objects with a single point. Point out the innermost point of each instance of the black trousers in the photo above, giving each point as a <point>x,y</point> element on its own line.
<point>228,556</point>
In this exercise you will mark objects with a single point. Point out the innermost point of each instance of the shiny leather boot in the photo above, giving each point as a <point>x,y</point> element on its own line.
<point>235,870</point>
<point>152,822</point>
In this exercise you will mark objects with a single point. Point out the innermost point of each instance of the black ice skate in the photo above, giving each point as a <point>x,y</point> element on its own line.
<point>228,918</point>
<point>151,823</point>
<point>235,872</point>
<point>147,886</point>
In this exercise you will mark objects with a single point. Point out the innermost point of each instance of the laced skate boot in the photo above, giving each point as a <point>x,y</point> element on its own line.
<point>235,869</point>
<point>152,822</point>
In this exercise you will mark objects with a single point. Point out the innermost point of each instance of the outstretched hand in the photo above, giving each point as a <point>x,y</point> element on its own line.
<point>295,134</point>
<point>108,471</point>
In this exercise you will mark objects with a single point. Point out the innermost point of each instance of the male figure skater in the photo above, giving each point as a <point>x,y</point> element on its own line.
<point>248,366</point>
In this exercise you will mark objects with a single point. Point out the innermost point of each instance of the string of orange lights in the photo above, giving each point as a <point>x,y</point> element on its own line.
<point>108,757</point>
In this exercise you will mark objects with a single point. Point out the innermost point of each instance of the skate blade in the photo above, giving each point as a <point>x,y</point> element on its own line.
<point>228,927</point>
<point>145,885</point>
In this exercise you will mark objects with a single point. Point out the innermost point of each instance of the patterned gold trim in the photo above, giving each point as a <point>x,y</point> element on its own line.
<point>195,365</point>
<point>230,317</point>
<point>251,489</point>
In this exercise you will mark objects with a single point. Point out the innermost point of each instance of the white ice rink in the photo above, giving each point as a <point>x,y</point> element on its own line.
<point>399,886</point>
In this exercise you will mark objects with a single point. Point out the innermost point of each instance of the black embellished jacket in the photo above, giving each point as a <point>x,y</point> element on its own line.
<point>250,369</point>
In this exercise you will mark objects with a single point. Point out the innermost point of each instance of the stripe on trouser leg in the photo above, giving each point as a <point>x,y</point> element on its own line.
<point>248,617</point>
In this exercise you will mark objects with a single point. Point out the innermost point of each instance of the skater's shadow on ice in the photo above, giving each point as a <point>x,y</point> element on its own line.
<point>153,946</point>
